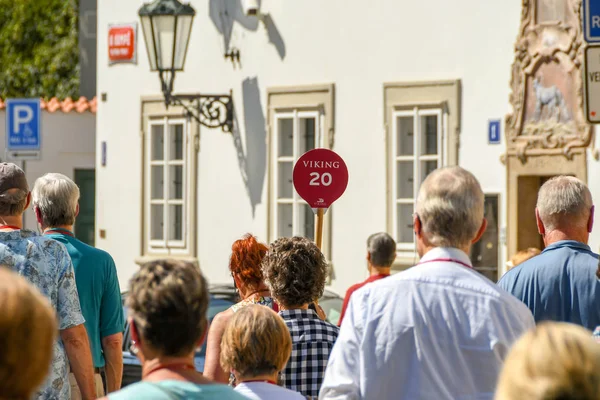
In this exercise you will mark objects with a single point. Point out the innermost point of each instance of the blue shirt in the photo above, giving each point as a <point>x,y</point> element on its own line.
<point>559,285</point>
<point>176,390</point>
<point>99,292</point>
<point>46,264</point>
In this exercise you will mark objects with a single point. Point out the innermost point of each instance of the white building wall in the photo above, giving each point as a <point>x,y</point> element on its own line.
<point>358,46</point>
<point>68,143</point>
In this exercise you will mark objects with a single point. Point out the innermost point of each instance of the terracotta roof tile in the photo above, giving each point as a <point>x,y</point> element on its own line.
<point>67,105</point>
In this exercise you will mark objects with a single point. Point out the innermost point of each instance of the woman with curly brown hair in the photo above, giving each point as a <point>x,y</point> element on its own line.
<point>295,271</point>
<point>245,267</point>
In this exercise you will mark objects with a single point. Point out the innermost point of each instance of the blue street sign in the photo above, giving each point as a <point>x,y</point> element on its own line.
<point>591,20</point>
<point>23,119</point>
<point>494,131</point>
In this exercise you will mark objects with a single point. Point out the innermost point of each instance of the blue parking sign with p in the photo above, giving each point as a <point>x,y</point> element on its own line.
<point>23,119</point>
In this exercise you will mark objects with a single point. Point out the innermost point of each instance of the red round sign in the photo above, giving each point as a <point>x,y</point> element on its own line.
<point>320,177</point>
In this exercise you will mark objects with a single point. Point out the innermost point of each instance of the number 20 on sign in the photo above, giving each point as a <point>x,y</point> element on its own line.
<point>320,178</point>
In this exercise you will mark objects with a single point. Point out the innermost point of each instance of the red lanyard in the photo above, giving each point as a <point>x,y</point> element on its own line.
<point>59,231</point>
<point>174,366</point>
<point>446,260</point>
<point>10,227</point>
<point>261,380</point>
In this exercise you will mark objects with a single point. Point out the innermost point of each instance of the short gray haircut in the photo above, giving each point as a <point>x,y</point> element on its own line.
<point>450,207</point>
<point>56,196</point>
<point>564,200</point>
<point>382,248</point>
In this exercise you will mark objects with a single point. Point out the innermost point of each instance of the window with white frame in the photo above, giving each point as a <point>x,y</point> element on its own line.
<point>417,149</point>
<point>166,191</point>
<point>295,133</point>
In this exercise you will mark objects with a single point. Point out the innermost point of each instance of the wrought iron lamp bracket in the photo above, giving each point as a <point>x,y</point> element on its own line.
<point>209,110</point>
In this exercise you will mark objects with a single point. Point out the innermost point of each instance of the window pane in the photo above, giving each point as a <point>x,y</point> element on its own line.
<point>285,220</point>
<point>176,144</point>
<point>175,222</point>
<point>157,143</point>
<point>406,137</point>
<point>157,186</point>
<point>427,167</point>
<point>307,134</point>
<point>405,179</point>
<point>405,230</point>
<point>307,218</point>
<point>176,182</point>
<point>285,188</point>
<point>156,222</point>
<point>286,137</point>
<point>429,134</point>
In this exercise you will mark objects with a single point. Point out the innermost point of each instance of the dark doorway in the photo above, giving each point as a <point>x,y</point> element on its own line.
<point>484,253</point>
<point>527,191</point>
<point>85,222</point>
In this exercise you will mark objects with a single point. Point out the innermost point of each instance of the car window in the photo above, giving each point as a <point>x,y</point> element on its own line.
<point>332,307</point>
<point>216,306</point>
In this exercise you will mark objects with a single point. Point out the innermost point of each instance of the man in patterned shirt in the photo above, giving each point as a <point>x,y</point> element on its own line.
<point>295,271</point>
<point>46,264</point>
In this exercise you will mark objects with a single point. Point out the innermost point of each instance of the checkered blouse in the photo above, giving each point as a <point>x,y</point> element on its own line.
<point>312,341</point>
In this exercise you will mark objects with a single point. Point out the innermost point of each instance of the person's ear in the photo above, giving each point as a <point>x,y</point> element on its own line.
<point>38,216</point>
<point>481,231</point>
<point>28,201</point>
<point>135,335</point>
<point>417,227</point>
<point>77,211</point>
<point>590,224</point>
<point>368,256</point>
<point>204,335</point>
<point>540,224</point>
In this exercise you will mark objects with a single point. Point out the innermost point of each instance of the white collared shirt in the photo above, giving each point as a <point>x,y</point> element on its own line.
<point>439,330</point>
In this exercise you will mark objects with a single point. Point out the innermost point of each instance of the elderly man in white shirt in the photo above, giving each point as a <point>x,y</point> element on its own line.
<point>439,330</point>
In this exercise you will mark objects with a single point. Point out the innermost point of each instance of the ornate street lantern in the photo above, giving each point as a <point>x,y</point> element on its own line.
<point>167,25</point>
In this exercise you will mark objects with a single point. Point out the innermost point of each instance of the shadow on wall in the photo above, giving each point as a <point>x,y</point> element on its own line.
<point>224,13</point>
<point>253,161</point>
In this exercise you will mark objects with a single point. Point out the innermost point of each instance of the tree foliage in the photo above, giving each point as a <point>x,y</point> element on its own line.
<point>39,55</point>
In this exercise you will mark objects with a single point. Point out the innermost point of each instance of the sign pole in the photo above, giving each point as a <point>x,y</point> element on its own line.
<point>319,228</point>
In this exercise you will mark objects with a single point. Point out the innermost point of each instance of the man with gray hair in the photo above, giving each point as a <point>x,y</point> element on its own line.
<point>55,202</point>
<point>46,264</point>
<point>561,283</point>
<point>381,253</point>
<point>439,330</point>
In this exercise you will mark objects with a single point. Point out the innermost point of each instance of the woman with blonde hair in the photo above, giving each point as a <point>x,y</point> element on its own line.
<point>256,346</point>
<point>554,361</point>
<point>28,329</point>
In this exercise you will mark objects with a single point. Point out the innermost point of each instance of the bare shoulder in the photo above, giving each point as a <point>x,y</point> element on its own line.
<point>221,320</point>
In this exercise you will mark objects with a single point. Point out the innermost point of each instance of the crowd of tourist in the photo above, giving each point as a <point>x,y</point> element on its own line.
<point>439,330</point>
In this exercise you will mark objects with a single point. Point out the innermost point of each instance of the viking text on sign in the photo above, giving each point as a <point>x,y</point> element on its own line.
<point>321,164</point>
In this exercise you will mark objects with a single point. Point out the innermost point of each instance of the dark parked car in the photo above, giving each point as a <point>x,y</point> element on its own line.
<point>221,298</point>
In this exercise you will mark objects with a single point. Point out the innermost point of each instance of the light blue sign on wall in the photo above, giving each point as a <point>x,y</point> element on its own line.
<point>23,129</point>
<point>494,131</point>
<point>591,21</point>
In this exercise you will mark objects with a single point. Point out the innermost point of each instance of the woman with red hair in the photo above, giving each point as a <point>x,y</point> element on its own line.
<point>245,266</point>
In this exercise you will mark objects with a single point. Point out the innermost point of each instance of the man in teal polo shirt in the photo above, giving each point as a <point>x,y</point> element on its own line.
<point>56,205</point>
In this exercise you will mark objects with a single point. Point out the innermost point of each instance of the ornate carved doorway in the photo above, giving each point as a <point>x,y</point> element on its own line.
<point>547,133</point>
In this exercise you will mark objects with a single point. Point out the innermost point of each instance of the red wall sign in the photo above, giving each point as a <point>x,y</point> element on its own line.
<point>320,177</point>
<point>122,43</point>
